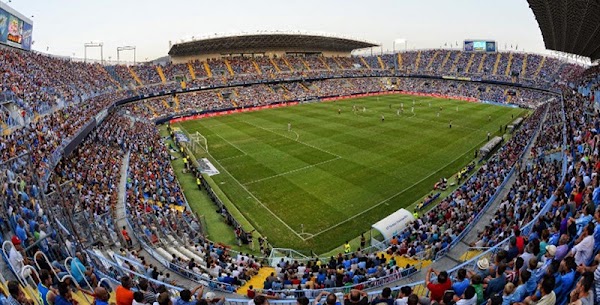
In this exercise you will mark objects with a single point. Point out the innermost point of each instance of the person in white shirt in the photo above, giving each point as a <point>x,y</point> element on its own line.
<point>402,299</point>
<point>16,259</point>
<point>585,248</point>
<point>468,298</point>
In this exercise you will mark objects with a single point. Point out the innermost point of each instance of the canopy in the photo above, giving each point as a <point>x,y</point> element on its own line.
<point>394,224</point>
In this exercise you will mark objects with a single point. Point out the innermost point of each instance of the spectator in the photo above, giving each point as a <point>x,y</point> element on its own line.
<point>437,289</point>
<point>405,292</point>
<point>356,297</point>
<point>123,293</point>
<point>385,298</point>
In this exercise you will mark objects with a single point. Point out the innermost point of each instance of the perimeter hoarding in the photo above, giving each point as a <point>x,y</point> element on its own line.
<point>14,31</point>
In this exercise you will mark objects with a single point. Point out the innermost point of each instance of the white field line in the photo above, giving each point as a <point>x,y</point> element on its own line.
<point>254,197</point>
<point>292,171</point>
<point>233,145</point>
<point>305,144</point>
<point>393,196</point>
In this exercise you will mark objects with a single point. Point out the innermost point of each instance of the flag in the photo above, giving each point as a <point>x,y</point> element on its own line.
<point>445,44</point>
<point>457,43</point>
<point>511,45</point>
<point>516,47</point>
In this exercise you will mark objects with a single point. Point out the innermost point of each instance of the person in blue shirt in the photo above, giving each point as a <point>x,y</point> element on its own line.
<point>567,268</point>
<point>496,285</point>
<point>44,286</point>
<point>20,231</point>
<point>101,296</point>
<point>520,292</point>
<point>81,273</point>
<point>461,283</point>
<point>64,296</point>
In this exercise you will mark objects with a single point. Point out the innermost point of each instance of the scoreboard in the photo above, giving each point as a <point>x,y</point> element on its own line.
<point>479,46</point>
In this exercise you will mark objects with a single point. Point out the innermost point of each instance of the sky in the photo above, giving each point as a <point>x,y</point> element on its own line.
<point>61,27</point>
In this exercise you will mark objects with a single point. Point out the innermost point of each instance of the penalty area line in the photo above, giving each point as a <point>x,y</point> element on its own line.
<point>253,196</point>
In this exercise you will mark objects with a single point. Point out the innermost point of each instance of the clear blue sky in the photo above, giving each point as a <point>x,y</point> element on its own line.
<point>63,26</point>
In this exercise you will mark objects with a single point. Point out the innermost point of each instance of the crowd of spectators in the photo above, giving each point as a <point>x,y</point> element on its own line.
<point>82,91</point>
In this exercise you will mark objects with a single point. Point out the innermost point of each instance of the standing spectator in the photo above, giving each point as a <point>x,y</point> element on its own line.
<point>437,289</point>
<point>123,293</point>
<point>126,237</point>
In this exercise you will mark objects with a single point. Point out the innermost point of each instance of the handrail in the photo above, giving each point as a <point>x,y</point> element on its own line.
<point>12,268</point>
<point>32,271</point>
<point>129,271</point>
<point>37,264</point>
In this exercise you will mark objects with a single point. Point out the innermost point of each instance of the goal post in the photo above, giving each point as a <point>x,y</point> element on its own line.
<point>198,142</point>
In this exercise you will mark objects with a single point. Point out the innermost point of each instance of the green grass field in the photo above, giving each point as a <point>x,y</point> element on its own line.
<point>334,175</point>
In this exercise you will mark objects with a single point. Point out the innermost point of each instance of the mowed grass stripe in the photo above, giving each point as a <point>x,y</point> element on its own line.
<point>377,161</point>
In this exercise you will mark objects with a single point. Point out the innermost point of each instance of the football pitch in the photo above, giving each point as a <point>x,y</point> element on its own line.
<point>336,171</point>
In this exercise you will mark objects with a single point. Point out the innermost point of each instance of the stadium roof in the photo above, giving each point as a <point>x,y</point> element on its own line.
<point>265,41</point>
<point>571,26</point>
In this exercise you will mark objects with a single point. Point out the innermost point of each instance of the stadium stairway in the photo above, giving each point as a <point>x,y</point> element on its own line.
<point>256,67</point>
<point>176,100</point>
<point>539,68</point>
<point>510,59</point>
<point>207,69</point>
<point>446,58</point>
<point>524,67</point>
<point>305,64</point>
<point>256,281</point>
<point>287,63</point>
<point>191,69</point>
<point>399,60</point>
<point>137,79</point>
<point>337,61</point>
<point>432,60</point>
<point>154,112</point>
<point>455,62</point>
<point>417,61</point>
<point>364,62</point>
<point>381,64</point>
<point>498,57</point>
<point>229,68</point>
<point>275,65</point>
<point>164,102</point>
<point>508,97</point>
<point>480,67</point>
<point>469,254</point>
<point>161,74</point>
<point>470,62</point>
<point>303,86</point>
<point>324,63</point>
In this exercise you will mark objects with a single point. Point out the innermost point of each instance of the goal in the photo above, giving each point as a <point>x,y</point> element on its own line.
<point>198,143</point>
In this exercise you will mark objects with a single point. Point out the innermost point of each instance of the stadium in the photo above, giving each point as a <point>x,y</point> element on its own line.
<point>297,167</point>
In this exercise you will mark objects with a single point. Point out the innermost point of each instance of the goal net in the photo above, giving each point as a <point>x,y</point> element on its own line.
<point>199,144</point>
